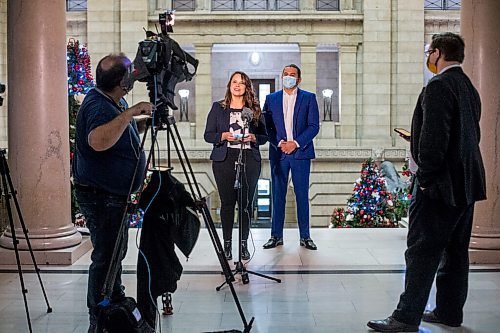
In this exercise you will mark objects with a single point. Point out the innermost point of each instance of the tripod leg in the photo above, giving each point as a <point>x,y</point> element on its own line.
<point>264,276</point>
<point>205,212</point>
<point>6,177</point>
<point>15,242</point>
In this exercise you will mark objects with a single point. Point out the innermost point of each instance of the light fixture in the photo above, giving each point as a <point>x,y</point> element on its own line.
<point>327,104</point>
<point>184,93</point>
<point>327,93</point>
<point>255,58</point>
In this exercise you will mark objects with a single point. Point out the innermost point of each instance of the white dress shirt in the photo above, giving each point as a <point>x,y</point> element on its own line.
<point>288,110</point>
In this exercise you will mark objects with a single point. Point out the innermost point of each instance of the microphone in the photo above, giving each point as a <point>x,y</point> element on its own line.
<point>246,114</point>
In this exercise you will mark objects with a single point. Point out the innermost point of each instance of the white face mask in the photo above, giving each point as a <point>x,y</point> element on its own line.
<point>289,82</point>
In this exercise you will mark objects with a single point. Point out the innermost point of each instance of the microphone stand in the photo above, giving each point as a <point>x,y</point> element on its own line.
<point>240,166</point>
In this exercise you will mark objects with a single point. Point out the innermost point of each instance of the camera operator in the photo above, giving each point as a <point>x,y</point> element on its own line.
<point>107,152</point>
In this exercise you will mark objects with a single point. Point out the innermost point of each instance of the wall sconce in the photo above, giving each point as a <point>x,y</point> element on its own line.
<point>184,93</point>
<point>327,104</point>
<point>255,58</point>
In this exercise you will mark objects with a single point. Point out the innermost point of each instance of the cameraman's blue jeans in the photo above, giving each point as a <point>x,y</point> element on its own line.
<point>103,213</point>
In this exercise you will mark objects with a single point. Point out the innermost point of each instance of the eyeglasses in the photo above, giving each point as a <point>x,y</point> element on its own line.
<point>429,52</point>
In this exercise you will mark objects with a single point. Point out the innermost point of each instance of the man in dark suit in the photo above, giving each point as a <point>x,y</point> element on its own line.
<point>292,121</point>
<point>450,179</point>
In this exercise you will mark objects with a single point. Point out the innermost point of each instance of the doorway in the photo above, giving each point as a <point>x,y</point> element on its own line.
<point>263,87</point>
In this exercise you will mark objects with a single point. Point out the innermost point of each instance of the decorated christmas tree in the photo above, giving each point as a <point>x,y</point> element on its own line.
<point>370,205</point>
<point>80,81</point>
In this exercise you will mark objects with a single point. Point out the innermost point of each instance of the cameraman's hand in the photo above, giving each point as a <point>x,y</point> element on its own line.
<point>141,108</point>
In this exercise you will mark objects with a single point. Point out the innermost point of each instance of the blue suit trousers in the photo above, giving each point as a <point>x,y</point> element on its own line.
<point>280,170</point>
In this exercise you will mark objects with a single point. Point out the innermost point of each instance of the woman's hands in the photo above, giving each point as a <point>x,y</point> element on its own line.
<point>250,138</point>
<point>228,136</point>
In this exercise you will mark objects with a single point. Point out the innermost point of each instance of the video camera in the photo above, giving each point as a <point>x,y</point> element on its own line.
<point>161,63</point>
<point>2,90</point>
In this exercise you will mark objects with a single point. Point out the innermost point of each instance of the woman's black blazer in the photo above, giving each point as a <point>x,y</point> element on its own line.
<point>218,122</point>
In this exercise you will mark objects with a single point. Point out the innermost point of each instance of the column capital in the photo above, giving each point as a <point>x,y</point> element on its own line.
<point>348,47</point>
<point>308,47</point>
<point>203,47</point>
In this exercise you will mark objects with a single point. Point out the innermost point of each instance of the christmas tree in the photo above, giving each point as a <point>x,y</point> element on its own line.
<point>80,81</point>
<point>370,205</point>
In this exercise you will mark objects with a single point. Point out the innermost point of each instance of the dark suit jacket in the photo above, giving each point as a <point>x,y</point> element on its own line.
<point>305,124</point>
<point>445,140</point>
<point>218,122</point>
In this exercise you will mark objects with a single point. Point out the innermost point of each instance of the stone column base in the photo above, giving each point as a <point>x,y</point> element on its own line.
<point>42,242</point>
<point>66,256</point>
<point>484,256</point>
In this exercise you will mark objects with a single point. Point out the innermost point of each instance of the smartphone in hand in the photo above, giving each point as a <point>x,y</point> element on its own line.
<point>240,136</point>
<point>403,133</point>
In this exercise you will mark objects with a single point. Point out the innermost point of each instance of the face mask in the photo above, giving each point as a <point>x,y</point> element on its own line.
<point>432,67</point>
<point>289,82</point>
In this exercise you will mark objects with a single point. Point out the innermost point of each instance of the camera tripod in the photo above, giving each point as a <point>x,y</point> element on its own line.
<point>205,212</point>
<point>239,266</point>
<point>10,193</point>
<point>167,122</point>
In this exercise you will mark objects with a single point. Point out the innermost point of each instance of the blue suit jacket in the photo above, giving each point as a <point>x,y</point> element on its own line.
<point>305,124</point>
<point>218,122</point>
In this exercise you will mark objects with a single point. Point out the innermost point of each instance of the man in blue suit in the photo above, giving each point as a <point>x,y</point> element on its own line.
<point>292,121</point>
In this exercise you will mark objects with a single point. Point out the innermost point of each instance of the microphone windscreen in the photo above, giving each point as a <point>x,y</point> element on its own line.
<point>246,114</point>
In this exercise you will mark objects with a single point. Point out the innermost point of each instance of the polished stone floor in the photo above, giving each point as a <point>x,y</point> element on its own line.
<point>355,276</point>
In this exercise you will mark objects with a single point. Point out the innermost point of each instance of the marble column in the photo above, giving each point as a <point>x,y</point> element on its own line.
<point>203,84</point>
<point>480,28</point>
<point>375,118</point>
<point>38,123</point>
<point>347,131</point>
<point>308,66</point>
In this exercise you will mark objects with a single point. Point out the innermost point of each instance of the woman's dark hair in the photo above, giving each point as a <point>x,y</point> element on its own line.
<point>452,45</point>
<point>110,71</point>
<point>249,99</point>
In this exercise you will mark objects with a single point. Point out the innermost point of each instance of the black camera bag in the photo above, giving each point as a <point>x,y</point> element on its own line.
<point>123,317</point>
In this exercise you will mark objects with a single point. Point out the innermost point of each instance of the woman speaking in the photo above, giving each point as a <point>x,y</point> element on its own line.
<point>235,123</point>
